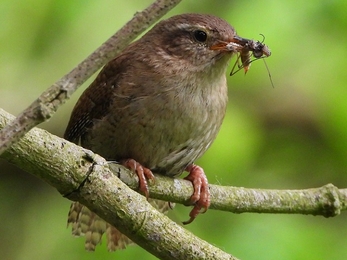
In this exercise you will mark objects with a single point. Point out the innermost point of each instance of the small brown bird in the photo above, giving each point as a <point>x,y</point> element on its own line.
<point>157,107</point>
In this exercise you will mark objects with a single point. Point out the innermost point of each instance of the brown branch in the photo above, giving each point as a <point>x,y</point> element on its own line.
<point>327,201</point>
<point>48,103</point>
<point>66,166</point>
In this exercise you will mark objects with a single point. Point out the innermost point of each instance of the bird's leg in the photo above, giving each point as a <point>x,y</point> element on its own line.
<point>142,172</point>
<point>201,195</point>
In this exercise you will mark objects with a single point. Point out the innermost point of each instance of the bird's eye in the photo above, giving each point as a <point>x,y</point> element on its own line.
<point>200,36</point>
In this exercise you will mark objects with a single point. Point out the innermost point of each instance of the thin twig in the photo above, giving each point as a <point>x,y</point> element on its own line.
<point>48,103</point>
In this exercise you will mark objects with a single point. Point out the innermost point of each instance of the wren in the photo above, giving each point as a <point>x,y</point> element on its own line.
<point>156,107</point>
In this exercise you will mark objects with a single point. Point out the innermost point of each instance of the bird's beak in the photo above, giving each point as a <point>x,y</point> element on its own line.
<point>235,44</point>
<point>239,40</point>
<point>238,44</point>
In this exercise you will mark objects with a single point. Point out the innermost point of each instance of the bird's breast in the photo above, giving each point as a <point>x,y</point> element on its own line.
<point>164,131</point>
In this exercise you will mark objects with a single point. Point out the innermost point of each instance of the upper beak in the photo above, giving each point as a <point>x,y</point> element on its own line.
<point>239,40</point>
<point>234,44</point>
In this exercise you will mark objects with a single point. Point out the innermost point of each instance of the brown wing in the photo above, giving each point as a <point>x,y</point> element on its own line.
<point>94,104</point>
<point>95,101</point>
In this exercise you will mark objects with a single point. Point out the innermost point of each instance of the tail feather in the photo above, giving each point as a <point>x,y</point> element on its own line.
<point>86,223</point>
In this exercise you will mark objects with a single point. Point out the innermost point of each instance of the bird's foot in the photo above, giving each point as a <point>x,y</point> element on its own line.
<point>201,195</point>
<point>142,172</point>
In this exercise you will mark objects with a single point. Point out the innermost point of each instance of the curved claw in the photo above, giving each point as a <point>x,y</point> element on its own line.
<point>201,195</point>
<point>142,172</point>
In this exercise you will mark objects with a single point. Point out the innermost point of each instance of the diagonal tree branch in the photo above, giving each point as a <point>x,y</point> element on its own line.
<point>48,103</point>
<point>83,176</point>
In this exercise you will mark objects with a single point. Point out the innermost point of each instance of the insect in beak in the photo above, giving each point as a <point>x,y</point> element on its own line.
<point>246,48</point>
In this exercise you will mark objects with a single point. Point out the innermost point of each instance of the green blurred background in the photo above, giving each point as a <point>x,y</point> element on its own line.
<point>291,136</point>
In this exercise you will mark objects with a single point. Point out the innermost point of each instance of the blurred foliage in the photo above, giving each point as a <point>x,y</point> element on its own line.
<point>291,136</point>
